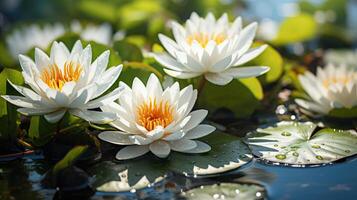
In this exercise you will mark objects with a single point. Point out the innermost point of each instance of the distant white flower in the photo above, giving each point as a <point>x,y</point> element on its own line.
<point>97,33</point>
<point>156,120</point>
<point>341,57</point>
<point>25,38</point>
<point>333,87</point>
<point>210,47</point>
<point>268,29</point>
<point>66,81</point>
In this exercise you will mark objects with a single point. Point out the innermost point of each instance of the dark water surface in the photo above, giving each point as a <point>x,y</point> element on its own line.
<point>21,179</point>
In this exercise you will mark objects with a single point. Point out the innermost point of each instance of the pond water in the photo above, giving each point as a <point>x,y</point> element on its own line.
<point>21,179</point>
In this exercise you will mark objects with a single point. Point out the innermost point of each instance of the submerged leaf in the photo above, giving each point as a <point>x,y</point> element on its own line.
<point>70,158</point>
<point>296,143</point>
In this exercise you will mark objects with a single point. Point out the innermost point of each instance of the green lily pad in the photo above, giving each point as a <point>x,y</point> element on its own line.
<point>242,96</point>
<point>228,191</point>
<point>343,112</point>
<point>227,153</point>
<point>8,114</point>
<point>296,143</point>
<point>290,30</point>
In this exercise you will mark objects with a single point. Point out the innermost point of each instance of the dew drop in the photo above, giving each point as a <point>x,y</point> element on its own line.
<point>295,154</point>
<point>319,157</point>
<point>133,190</point>
<point>280,156</point>
<point>347,151</point>
<point>275,145</point>
<point>285,133</point>
<point>315,146</point>
<point>216,196</point>
<point>258,194</point>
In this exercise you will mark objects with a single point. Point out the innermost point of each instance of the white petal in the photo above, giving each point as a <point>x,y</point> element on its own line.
<point>183,145</point>
<point>251,54</point>
<point>115,137</point>
<point>218,78</point>
<point>140,140</point>
<point>200,148</point>
<point>35,111</point>
<point>94,116</point>
<point>197,117</point>
<point>175,135</point>
<point>54,117</point>
<point>130,152</point>
<point>155,134</point>
<point>153,86</point>
<point>26,92</point>
<point>200,131</point>
<point>68,88</point>
<point>160,148</point>
<point>167,61</point>
<point>246,72</point>
<point>107,80</point>
<point>106,99</point>
<point>182,75</point>
<point>20,101</point>
<point>41,59</point>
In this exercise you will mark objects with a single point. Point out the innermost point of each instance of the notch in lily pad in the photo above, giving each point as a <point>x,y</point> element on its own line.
<point>298,143</point>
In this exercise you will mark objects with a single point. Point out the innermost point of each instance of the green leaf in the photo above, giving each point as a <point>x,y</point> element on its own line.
<point>139,70</point>
<point>98,49</point>
<point>128,51</point>
<point>8,113</point>
<point>136,13</point>
<point>296,29</point>
<point>103,10</point>
<point>343,112</point>
<point>226,190</point>
<point>240,96</point>
<point>69,159</point>
<point>5,57</point>
<point>297,144</point>
<point>41,131</point>
<point>69,39</point>
<point>271,58</point>
<point>228,152</point>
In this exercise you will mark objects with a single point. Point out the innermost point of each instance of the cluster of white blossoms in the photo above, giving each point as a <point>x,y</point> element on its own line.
<point>147,117</point>
<point>332,87</point>
<point>212,48</point>
<point>25,38</point>
<point>22,40</point>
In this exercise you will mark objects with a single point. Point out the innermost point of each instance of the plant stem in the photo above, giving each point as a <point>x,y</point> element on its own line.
<point>58,128</point>
<point>201,85</point>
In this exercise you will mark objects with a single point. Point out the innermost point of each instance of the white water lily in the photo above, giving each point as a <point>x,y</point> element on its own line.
<point>25,38</point>
<point>332,87</point>
<point>98,33</point>
<point>66,81</point>
<point>210,47</point>
<point>156,120</point>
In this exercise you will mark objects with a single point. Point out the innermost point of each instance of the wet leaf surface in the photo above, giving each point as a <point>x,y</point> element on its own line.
<point>298,144</point>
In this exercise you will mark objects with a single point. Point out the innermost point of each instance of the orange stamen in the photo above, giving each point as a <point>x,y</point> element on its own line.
<point>152,114</point>
<point>55,78</point>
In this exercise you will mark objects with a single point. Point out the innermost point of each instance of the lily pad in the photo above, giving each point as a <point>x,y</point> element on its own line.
<point>226,191</point>
<point>227,153</point>
<point>298,144</point>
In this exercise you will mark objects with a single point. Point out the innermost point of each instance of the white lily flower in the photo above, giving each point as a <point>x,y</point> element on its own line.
<point>210,47</point>
<point>98,33</point>
<point>66,81</point>
<point>333,87</point>
<point>25,38</point>
<point>156,120</point>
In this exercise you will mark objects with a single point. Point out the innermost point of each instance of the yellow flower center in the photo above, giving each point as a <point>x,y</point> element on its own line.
<point>152,114</point>
<point>55,78</point>
<point>204,38</point>
<point>344,80</point>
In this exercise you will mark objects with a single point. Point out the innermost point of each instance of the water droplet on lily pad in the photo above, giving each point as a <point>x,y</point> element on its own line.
<point>285,133</point>
<point>319,157</point>
<point>315,146</point>
<point>280,156</point>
